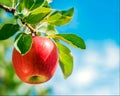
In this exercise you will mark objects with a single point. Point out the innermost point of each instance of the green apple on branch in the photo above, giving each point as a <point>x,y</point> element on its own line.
<point>37,46</point>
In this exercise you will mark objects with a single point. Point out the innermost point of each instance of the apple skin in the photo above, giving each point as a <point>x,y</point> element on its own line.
<point>39,64</point>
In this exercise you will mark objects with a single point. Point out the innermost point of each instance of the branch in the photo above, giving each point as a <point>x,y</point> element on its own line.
<point>8,9</point>
<point>12,10</point>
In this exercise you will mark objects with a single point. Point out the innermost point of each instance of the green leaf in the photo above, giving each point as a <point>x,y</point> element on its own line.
<point>47,29</point>
<point>33,4</point>
<point>8,30</point>
<point>71,39</point>
<point>65,59</point>
<point>51,30</point>
<point>23,43</point>
<point>15,1</point>
<point>29,3</point>
<point>37,15</point>
<point>21,5</point>
<point>59,18</point>
<point>6,2</point>
<point>46,4</point>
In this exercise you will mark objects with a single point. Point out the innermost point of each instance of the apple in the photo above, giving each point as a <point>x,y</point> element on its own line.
<point>39,64</point>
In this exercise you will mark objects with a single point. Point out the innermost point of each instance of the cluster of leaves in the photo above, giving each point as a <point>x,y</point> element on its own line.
<point>39,15</point>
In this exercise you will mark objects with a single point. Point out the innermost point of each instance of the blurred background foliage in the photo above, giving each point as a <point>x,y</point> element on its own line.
<point>10,84</point>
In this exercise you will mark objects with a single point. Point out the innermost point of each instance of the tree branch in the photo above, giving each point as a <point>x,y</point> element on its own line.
<point>12,10</point>
<point>8,9</point>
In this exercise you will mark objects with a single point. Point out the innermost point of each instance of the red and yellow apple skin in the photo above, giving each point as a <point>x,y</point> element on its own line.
<point>39,64</point>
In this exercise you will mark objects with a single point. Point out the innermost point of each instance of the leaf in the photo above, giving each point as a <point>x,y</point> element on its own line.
<point>33,4</point>
<point>71,39</point>
<point>51,30</point>
<point>23,43</point>
<point>47,29</point>
<point>15,1</point>
<point>59,18</point>
<point>29,3</point>
<point>6,2</point>
<point>21,5</point>
<point>46,4</point>
<point>65,59</point>
<point>37,15</point>
<point>8,30</point>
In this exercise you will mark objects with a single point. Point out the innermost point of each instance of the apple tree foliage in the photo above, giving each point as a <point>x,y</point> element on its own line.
<point>36,17</point>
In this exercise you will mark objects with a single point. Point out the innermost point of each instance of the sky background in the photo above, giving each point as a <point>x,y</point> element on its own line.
<point>96,69</point>
<point>93,19</point>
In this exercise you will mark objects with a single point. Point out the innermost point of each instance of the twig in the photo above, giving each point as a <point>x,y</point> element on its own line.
<point>33,31</point>
<point>12,10</point>
<point>8,9</point>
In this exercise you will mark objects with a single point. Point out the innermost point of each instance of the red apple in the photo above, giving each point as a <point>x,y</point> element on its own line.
<point>39,64</point>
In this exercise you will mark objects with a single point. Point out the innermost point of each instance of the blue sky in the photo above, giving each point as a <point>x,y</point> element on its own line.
<point>96,70</point>
<point>93,19</point>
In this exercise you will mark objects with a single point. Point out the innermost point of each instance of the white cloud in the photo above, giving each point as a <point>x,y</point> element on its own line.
<point>84,77</point>
<point>61,89</point>
<point>105,54</point>
<point>98,61</point>
<point>102,91</point>
<point>91,57</point>
<point>112,55</point>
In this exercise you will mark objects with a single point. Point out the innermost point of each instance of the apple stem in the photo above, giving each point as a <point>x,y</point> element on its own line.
<point>12,10</point>
<point>33,31</point>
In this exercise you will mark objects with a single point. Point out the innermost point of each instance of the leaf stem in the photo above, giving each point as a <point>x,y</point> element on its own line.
<point>12,10</point>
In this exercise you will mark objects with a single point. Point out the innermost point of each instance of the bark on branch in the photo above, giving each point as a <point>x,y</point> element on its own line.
<point>8,9</point>
<point>12,10</point>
